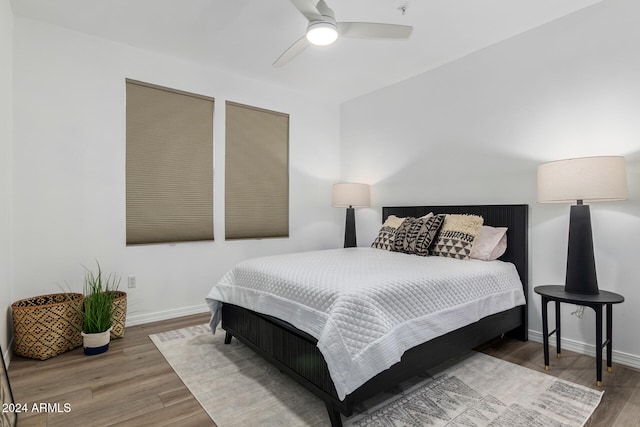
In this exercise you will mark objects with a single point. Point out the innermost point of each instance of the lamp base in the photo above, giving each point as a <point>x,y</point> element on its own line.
<point>350,229</point>
<point>581,264</point>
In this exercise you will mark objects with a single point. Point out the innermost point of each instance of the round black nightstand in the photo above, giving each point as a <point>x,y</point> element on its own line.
<point>596,302</point>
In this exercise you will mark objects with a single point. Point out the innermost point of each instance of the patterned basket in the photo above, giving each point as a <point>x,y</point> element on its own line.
<point>46,325</point>
<point>119,315</point>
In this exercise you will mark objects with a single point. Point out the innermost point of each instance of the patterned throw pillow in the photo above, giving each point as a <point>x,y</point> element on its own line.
<point>415,235</point>
<point>400,241</point>
<point>428,234</point>
<point>456,236</point>
<point>387,233</point>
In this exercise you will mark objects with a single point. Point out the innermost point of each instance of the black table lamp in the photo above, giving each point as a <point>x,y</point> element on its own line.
<point>586,179</point>
<point>350,195</point>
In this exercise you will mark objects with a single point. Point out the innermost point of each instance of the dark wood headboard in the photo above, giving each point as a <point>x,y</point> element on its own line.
<point>514,217</point>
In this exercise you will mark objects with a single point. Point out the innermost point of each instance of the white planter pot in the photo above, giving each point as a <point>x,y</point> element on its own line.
<point>96,343</point>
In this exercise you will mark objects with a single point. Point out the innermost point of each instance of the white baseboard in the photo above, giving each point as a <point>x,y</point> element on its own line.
<point>8,353</point>
<point>133,320</point>
<point>141,319</point>
<point>622,358</point>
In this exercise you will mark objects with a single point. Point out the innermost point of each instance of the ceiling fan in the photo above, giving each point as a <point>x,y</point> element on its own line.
<point>323,29</point>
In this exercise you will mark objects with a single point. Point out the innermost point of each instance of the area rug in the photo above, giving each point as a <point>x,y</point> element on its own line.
<point>236,387</point>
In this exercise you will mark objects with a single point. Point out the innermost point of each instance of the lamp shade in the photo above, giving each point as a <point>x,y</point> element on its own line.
<point>589,179</point>
<point>351,195</point>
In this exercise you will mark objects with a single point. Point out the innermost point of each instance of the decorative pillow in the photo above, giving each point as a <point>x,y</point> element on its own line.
<point>415,235</point>
<point>456,236</point>
<point>490,243</point>
<point>401,233</point>
<point>387,233</point>
<point>428,234</point>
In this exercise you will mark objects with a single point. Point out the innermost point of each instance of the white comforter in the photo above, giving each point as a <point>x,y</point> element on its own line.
<point>366,306</point>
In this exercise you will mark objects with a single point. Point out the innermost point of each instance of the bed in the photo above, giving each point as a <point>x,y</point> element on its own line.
<point>301,352</point>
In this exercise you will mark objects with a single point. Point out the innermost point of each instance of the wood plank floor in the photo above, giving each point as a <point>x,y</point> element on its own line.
<point>132,384</point>
<point>129,385</point>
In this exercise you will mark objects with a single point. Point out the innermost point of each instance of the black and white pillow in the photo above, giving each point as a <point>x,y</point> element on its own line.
<point>415,235</point>
<point>386,235</point>
<point>428,234</point>
<point>457,235</point>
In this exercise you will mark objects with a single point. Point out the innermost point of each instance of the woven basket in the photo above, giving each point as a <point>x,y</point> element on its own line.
<point>119,315</point>
<point>46,325</point>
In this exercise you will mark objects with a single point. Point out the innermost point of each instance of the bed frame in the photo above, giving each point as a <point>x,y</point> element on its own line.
<point>294,352</point>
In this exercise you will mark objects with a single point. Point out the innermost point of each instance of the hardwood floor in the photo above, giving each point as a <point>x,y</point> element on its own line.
<point>129,385</point>
<point>132,384</point>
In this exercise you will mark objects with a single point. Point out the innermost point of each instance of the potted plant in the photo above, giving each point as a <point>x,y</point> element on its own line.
<point>96,311</point>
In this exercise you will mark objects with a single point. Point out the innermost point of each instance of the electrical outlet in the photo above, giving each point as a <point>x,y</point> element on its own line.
<point>131,282</point>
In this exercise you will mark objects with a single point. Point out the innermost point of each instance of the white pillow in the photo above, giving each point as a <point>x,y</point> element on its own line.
<point>490,243</point>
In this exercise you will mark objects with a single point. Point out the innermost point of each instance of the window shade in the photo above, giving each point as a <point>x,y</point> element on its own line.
<point>256,173</point>
<point>169,165</point>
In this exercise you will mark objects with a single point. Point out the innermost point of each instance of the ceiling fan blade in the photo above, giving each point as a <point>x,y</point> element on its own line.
<point>308,9</point>
<point>292,52</point>
<point>372,30</point>
<point>324,9</point>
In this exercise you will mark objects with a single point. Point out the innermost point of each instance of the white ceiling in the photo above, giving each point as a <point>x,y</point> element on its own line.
<point>246,36</point>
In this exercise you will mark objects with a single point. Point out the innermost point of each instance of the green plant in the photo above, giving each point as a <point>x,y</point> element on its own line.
<point>99,293</point>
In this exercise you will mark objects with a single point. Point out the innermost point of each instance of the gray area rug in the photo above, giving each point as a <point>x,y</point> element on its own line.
<point>236,387</point>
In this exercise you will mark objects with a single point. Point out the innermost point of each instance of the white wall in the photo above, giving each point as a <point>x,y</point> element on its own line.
<point>69,171</point>
<point>6,167</point>
<point>474,131</point>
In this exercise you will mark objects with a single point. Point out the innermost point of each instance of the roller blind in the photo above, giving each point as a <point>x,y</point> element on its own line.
<point>169,165</point>
<point>256,173</point>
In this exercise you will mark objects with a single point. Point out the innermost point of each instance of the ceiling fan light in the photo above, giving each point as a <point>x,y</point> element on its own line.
<point>322,33</point>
